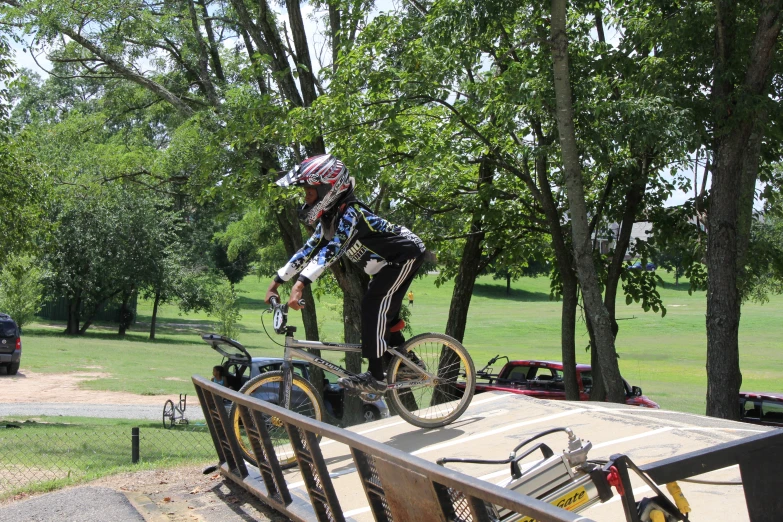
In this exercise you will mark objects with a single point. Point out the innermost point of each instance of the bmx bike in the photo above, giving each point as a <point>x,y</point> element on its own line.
<point>430,383</point>
<point>175,414</point>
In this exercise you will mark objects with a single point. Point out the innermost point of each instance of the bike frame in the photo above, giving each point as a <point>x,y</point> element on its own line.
<point>295,348</point>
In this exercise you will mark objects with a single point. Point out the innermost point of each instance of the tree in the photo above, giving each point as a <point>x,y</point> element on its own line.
<point>23,186</point>
<point>740,93</point>
<point>21,289</point>
<point>198,82</point>
<point>105,244</point>
<point>580,233</point>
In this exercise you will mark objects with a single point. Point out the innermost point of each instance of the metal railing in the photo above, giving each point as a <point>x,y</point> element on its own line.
<point>399,487</point>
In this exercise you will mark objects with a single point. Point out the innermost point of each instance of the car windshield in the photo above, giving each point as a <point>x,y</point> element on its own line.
<point>7,330</point>
<point>772,411</point>
<point>518,373</point>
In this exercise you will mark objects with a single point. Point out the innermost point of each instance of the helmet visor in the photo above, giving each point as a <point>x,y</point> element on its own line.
<point>291,178</point>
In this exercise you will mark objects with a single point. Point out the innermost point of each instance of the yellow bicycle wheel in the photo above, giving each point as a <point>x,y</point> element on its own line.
<point>266,387</point>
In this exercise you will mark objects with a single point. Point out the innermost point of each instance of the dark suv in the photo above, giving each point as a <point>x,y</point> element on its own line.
<point>10,344</point>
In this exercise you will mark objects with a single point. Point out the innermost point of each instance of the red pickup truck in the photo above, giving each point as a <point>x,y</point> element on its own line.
<point>544,380</point>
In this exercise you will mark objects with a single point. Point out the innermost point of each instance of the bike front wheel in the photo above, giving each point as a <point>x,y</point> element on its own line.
<point>438,401</point>
<point>266,387</point>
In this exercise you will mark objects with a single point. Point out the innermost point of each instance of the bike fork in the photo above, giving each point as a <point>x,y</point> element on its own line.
<point>284,399</point>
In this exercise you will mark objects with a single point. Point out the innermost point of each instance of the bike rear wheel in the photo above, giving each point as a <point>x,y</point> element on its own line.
<point>266,387</point>
<point>433,403</point>
<point>168,414</point>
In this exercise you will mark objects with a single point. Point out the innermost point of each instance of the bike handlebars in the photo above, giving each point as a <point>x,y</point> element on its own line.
<point>276,302</point>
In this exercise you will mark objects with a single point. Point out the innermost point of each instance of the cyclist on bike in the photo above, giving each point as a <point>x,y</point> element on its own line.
<point>390,253</point>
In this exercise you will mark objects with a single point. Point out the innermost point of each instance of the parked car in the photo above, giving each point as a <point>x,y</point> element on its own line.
<point>638,266</point>
<point>239,367</point>
<point>544,380</point>
<point>761,408</point>
<point>10,344</point>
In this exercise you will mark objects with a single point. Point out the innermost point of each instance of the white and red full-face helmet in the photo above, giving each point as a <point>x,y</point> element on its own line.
<point>329,177</point>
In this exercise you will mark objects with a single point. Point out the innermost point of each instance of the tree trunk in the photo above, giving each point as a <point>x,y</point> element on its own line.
<point>734,127</point>
<point>124,314</point>
<point>154,319</point>
<point>580,230</point>
<point>565,265</point>
<point>508,284</point>
<point>354,283</point>
<point>723,301</point>
<point>747,192</point>
<point>203,57</point>
<point>90,318</point>
<point>72,326</point>
<point>291,234</point>
<point>469,264</point>
<point>634,197</point>
<point>598,392</point>
<point>567,334</point>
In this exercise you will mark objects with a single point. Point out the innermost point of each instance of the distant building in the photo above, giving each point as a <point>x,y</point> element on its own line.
<point>605,240</point>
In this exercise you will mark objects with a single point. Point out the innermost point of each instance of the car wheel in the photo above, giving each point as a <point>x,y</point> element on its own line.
<point>371,413</point>
<point>12,368</point>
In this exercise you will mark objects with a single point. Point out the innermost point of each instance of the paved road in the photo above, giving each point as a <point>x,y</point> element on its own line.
<point>85,504</point>
<point>108,411</point>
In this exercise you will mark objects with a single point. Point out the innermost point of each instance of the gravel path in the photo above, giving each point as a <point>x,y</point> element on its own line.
<point>108,411</point>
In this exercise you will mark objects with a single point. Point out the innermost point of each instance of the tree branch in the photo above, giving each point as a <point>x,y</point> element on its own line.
<point>126,72</point>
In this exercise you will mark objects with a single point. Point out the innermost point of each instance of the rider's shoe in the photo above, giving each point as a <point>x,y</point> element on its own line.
<point>363,382</point>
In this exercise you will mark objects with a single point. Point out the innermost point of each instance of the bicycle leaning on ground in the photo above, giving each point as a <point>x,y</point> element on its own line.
<point>431,380</point>
<point>175,414</point>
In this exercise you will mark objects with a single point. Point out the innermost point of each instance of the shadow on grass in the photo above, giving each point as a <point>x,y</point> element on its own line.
<point>644,356</point>
<point>681,287</point>
<point>135,334</point>
<point>248,303</point>
<point>499,292</point>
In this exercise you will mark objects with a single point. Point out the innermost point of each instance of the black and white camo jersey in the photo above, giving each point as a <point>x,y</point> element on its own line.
<point>368,240</point>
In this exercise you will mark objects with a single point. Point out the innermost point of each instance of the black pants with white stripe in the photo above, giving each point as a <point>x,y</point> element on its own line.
<point>382,302</point>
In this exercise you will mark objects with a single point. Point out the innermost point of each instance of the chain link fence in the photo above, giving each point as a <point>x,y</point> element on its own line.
<point>38,457</point>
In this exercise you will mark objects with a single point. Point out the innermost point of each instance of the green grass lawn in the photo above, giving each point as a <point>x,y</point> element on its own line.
<point>665,356</point>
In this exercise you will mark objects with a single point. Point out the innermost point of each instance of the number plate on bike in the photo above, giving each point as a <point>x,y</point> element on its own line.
<point>279,320</point>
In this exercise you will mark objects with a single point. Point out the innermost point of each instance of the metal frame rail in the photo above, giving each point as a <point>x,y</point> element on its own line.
<point>399,487</point>
<point>760,459</point>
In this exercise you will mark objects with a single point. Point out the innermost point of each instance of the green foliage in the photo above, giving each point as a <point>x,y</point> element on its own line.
<point>224,308</point>
<point>641,285</point>
<point>763,271</point>
<point>24,198</point>
<point>108,240</point>
<point>21,289</point>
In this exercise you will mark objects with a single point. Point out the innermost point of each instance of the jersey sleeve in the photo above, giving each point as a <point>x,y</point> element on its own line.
<point>301,258</point>
<point>331,252</point>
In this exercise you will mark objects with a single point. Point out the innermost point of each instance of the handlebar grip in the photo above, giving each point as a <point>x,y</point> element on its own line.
<point>274,301</point>
<point>301,302</point>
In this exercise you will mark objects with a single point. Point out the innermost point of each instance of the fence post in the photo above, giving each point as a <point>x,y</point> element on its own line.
<point>134,445</point>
